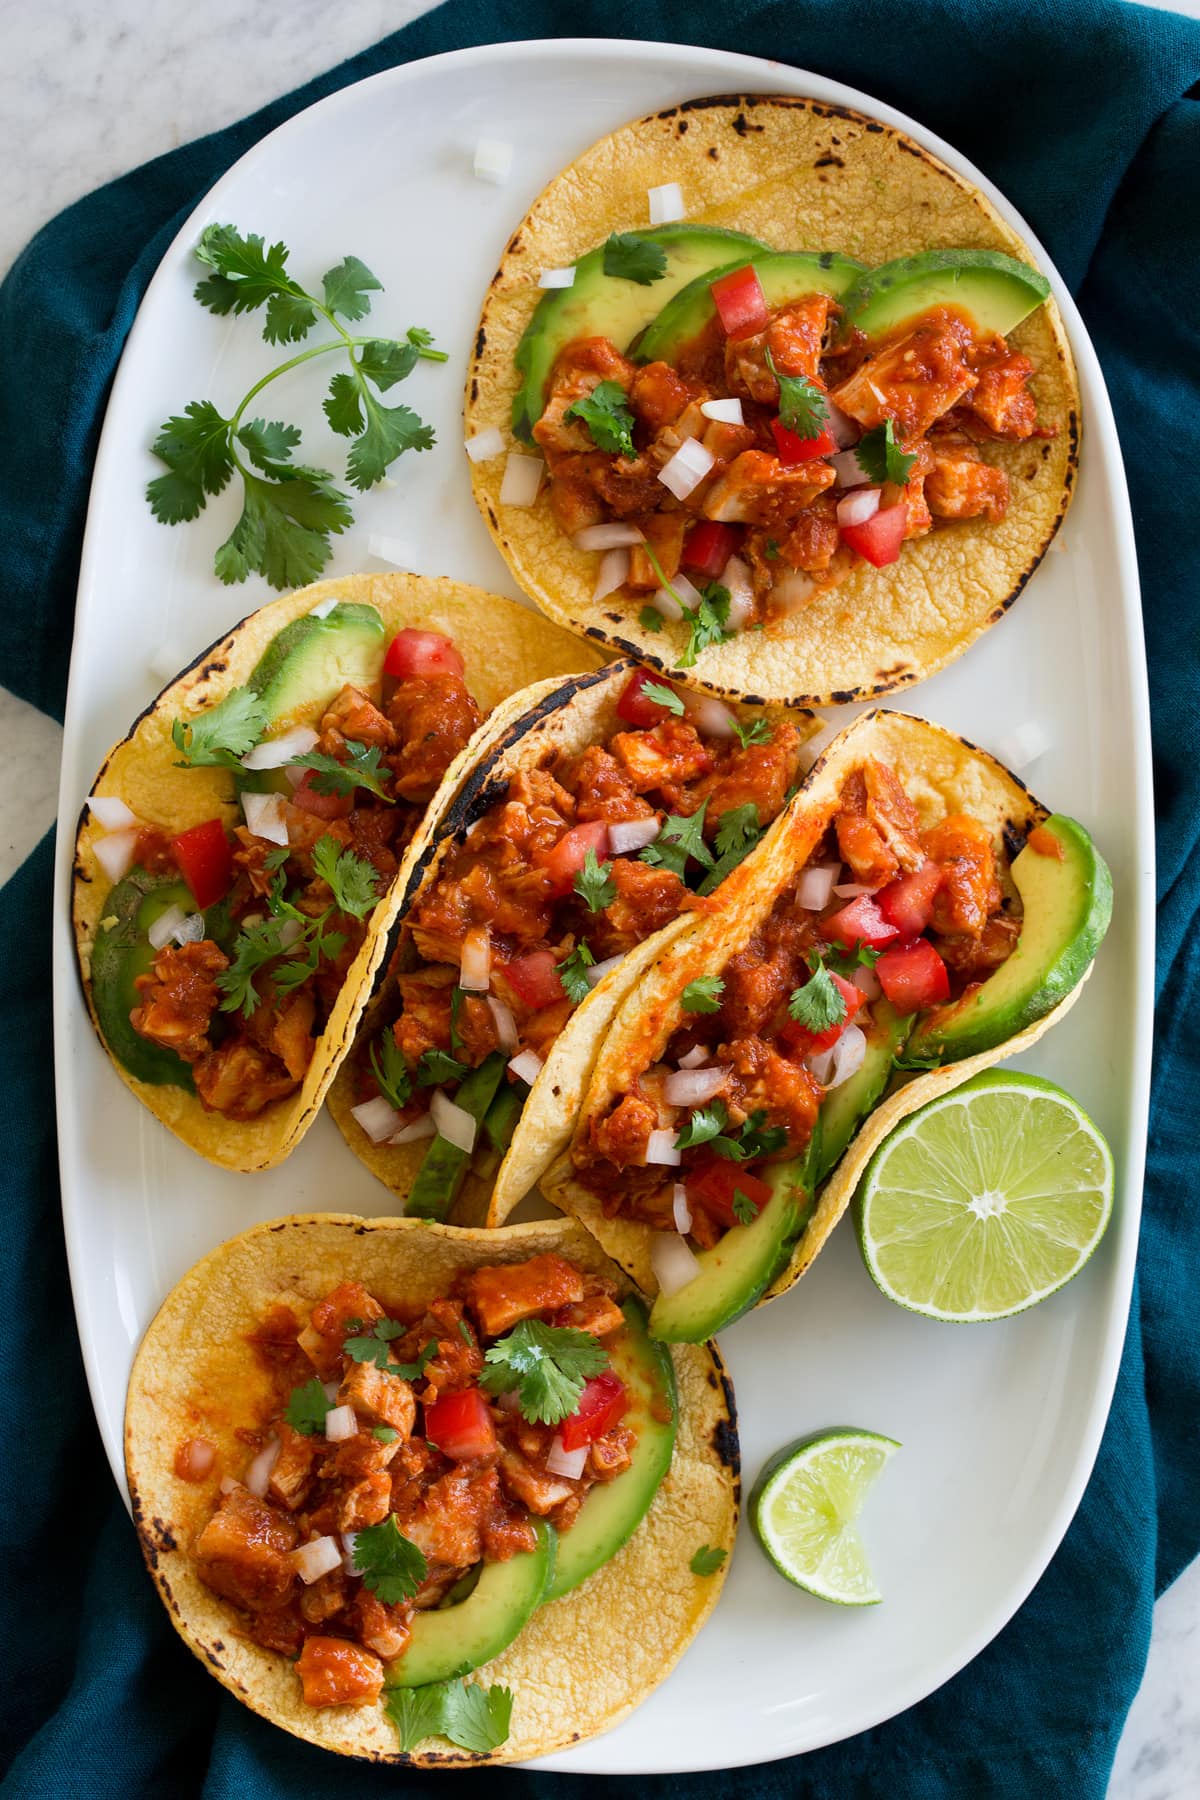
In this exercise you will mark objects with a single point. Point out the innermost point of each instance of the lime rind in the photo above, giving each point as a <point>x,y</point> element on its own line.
<point>805,1507</point>
<point>986,1201</point>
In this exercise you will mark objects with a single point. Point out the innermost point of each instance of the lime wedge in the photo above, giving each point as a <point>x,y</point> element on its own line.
<point>804,1506</point>
<point>986,1200</point>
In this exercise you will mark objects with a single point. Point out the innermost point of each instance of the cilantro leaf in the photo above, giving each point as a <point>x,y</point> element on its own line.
<point>390,431</point>
<point>803,407</point>
<point>846,961</point>
<point>342,407</point>
<point>739,829</point>
<point>477,1718</point>
<point>629,257</point>
<point>390,1070</point>
<point>548,1365</point>
<point>194,445</point>
<point>594,884</point>
<point>818,1004</point>
<point>650,619</point>
<point>707,1560</point>
<point>386,1434</point>
<point>346,288</point>
<point>744,1209</point>
<point>255,946</point>
<point>659,694</point>
<point>757,732</point>
<point>709,624</point>
<point>416,1712</point>
<point>374,1347</point>
<point>576,985</point>
<point>760,1139</point>
<point>435,1066</point>
<point>605,413</point>
<point>880,457</point>
<point>703,995</point>
<point>306,1408</point>
<point>284,529</point>
<point>246,275</point>
<point>679,839</point>
<point>389,1563</point>
<point>361,769</point>
<point>268,442</point>
<point>772,550</point>
<point>387,363</point>
<point>222,736</point>
<point>353,882</point>
<point>706,1124</point>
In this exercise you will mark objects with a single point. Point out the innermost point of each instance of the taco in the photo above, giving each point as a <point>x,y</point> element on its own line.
<point>804,441</point>
<point>603,817</point>
<point>353,1488</point>
<point>919,917</point>
<point>245,848</point>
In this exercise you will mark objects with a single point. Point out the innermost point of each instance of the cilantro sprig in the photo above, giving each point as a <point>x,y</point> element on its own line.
<point>572,972</point>
<point>737,834</point>
<point>391,1565</point>
<point>880,457</point>
<point>548,1365</point>
<point>390,1070</point>
<point>744,1209</point>
<point>659,694</point>
<point>803,407</point>
<point>607,416</point>
<point>362,768</point>
<point>436,1066</point>
<point>306,1408</point>
<point>375,1346</point>
<point>710,1125</point>
<point>819,1003</point>
<point>629,257</point>
<point>220,737</point>
<point>709,624</point>
<point>758,731</point>
<point>680,839</point>
<point>290,510</point>
<point>594,883</point>
<point>707,1560</point>
<point>703,995</point>
<point>473,1717</point>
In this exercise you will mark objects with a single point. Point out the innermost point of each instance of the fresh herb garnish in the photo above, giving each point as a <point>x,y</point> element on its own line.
<point>707,1560</point>
<point>710,1125</point>
<point>706,1126</point>
<point>744,1209</point>
<point>292,941</point>
<point>362,768</point>
<point>290,510</point>
<point>458,1000</point>
<point>846,961</point>
<point>760,1139</point>
<point>607,416</point>
<point>738,829</point>
<point>548,1365</point>
<point>803,407</point>
<point>880,457</point>
<point>390,1564</point>
<point>353,882</point>
<point>375,1346</point>
<point>703,995</point>
<point>594,883</point>
<point>650,619</point>
<point>275,859</point>
<point>661,695</point>
<point>220,737</point>
<point>571,972</point>
<point>819,1003</point>
<point>435,1066</point>
<point>391,1070</point>
<point>758,731</point>
<point>306,1408</point>
<point>633,258</point>
<point>680,838</point>
<point>772,550</point>
<point>473,1717</point>
<point>709,624</point>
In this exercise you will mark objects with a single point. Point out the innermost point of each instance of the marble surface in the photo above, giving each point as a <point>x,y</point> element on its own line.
<point>86,95</point>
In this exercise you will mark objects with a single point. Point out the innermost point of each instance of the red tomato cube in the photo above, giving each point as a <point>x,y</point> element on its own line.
<point>913,976</point>
<point>907,903</point>
<point>797,1037</point>
<point>712,1181</point>
<point>859,922</point>
<point>791,448</point>
<point>420,654</point>
<point>534,979</point>
<point>740,302</point>
<point>602,1404</point>
<point>563,862</point>
<point>461,1426</point>
<point>206,861</point>
<point>635,708</point>
<point>321,806</point>
<point>708,547</point>
<point>879,539</point>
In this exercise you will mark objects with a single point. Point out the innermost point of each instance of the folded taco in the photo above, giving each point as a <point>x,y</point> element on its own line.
<point>807,438</point>
<point>369,1458</point>
<point>918,917</point>
<point>245,848</point>
<point>606,814</point>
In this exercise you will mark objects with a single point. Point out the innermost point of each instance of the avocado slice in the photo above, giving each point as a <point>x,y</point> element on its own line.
<point>452,1640</point>
<point>846,1106</point>
<point>444,1165</point>
<point>613,1510</point>
<point>123,952</point>
<point>784,275</point>
<point>307,663</point>
<point>996,290</point>
<point>610,306</point>
<point>1066,894</point>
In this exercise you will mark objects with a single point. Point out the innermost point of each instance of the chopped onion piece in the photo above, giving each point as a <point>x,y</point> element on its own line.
<point>612,574</point>
<point>423,1127</point>
<point>625,835</point>
<point>522,479</point>
<point>259,1472</point>
<point>673,1261</point>
<point>711,718</point>
<point>330,1390</point>
<point>666,203</point>
<point>832,1067</point>
<point>191,931</point>
<point>275,752</point>
<point>319,1557</point>
<point>736,579</point>
<point>815,886</point>
<point>165,927</point>
<point>680,1209</point>
<point>290,932</point>
<point>694,1059</point>
<point>660,1150</point>
<point>668,606</point>
<point>475,972</point>
<point>349,1539</point>
<point>867,983</point>
<point>228,1485</point>
<point>493,160</point>
<point>485,444</point>
<point>852,890</point>
<point>528,1066</point>
<point>295,774</point>
<point>377,1117</point>
<point>793,590</point>
<point>506,1026</point>
<point>557,278</point>
<point>115,853</point>
<point>265,817</point>
<point>694,1087</point>
<point>319,612</point>
<point>681,592</point>
<point>454,1123</point>
<point>844,430</point>
<point>340,1424</point>
<point>613,536</point>
<point>569,1463</point>
<point>850,472</point>
<point>686,469</point>
<point>1024,745</point>
<point>389,550</point>
<point>596,972</point>
<point>725,412</point>
<point>858,507</point>
<point>110,812</point>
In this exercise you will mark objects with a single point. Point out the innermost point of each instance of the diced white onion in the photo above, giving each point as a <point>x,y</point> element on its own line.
<point>815,886</point>
<point>528,1066</point>
<point>493,160</point>
<point>793,590</point>
<point>597,971</point>
<point>858,507</point>
<point>850,472</point>
<point>736,579</point>
<point>687,468</point>
<point>841,427</point>
<point>660,1150</point>
<point>110,812</point>
<point>377,1117</point>
<point>613,536</point>
<point>694,1087</point>
<point>348,1541</point>
<point>321,612</point>
<point>423,1127</point>
<point>340,1424</point>
<point>867,983</point>
<point>295,774</point>
<point>330,1390</point>
<point>485,445</point>
<point>557,278</point>
<point>681,592</point>
<point>725,412</point>
<point>625,835</point>
<point>265,817</point>
<point>115,853</point>
<point>832,1067</point>
<point>290,932</point>
<point>522,479</point>
<point>506,1026</point>
<point>666,203</point>
<point>165,927</point>
<point>695,1059</point>
<point>1024,745</point>
<point>711,718</point>
<point>259,1472</point>
<point>612,574</point>
<point>320,1557</point>
<point>680,1209</point>
<point>673,1261</point>
<point>569,1463</point>
<point>852,890</point>
<point>227,1485</point>
<point>275,752</point>
<point>389,550</point>
<point>509,1402</point>
<point>191,931</point>
<point>454,1123</point>
<point>669,608</point>
<point>475,972</point>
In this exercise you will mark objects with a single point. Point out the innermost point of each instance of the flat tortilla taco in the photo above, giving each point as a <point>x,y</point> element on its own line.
<point>742,1089</point>
<point>805,440</point>
<point>226,955</point>
<point>370,1457</point>
<point>607,812</point>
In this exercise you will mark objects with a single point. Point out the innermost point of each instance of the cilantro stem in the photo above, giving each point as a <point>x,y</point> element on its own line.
<point>648,547</point>
<point>347,343</point>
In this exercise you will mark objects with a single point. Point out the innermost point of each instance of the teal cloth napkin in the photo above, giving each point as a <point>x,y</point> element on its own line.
<point>1088,117</point>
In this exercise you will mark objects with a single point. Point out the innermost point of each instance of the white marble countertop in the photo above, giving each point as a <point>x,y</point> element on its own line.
<point>87,93</point>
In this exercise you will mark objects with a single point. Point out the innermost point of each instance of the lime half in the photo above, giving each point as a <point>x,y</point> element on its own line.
<point>804,1507</point>
<point>986,1200</point>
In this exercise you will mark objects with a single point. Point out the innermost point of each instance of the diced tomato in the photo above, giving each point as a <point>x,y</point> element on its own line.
<point>206,860</point>
<point>913,976</point>
<point>633,706</point>
<point>795,1035</point>
<point>741,303</point>
<point>860,922</point>
<point>421,653</point>
<point>880,538</point>
<point>563,863</point>
<point>792,448</point>
<point>712,1181</point>
<point>321,806</point>
<point>603,1402</point>
<point>534,979</point>
<point>708,547</point>
<point>907,903</point>
<point>461,1425</point>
